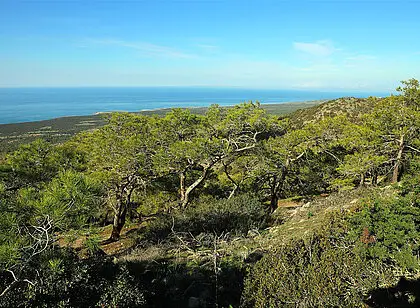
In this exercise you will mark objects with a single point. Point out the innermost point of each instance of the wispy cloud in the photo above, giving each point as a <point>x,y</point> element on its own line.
<point>361,58</point>
<point>148,49</point>
<point>208,48</point>
<point>360,61</point>
<point>318,48</point>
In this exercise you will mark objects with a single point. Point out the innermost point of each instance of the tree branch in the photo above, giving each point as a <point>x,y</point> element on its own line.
<point>14,282</point>
<point>413,148</point>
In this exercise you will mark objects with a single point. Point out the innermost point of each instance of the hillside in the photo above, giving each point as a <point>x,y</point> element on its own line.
<point>352,107</point>
<point>233,207</point>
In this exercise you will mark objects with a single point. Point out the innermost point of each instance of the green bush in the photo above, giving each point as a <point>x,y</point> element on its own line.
<point>312,273</point>
<point>410,185</point>
<point>343,264</point>
<point>121,292</point>
<point>389,229</point>
<point>61,279</point>
<point>237,215</point>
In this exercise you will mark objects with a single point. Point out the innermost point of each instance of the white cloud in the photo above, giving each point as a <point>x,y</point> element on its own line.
<point>208,48</point>
<point>361,58</point>
<point>319,48</point>
<point>146,48</point>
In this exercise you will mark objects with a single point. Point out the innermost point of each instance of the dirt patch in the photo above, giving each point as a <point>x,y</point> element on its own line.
<point>78,240</point>
<point>288,204</point>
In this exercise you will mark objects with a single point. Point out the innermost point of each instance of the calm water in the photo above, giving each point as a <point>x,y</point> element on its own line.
<point>32,104</point>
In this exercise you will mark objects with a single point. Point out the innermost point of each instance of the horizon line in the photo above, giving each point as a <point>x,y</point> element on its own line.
<point>321,90</point>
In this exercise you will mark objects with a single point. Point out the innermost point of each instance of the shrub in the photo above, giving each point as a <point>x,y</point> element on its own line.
<point>312,273</point>
<point>61,279</point>
<point>411,182</point>
<point>237,216</point>
<point>341,266</point>
<point>121,292</point>
<point>392,227</point>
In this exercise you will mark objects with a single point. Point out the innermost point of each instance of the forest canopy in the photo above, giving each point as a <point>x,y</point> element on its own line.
<point>199,188</point>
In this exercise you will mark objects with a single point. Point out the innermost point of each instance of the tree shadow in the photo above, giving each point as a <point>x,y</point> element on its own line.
<point>405,294</point>
<point>178,284</point>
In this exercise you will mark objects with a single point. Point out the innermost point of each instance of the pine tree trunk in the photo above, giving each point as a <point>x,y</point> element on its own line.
<point>235,185</point>
<point>275,189</point>
<point>362,180</point>
<point>233,191</point>
<point>185,198</point>
<point>375,178</point>
<point>182,186</point>
<point>119,220</point>
<point>397,167</point>
<point>274,202</point>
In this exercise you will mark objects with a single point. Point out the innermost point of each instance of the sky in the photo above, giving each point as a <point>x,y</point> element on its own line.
<point>314,45</point>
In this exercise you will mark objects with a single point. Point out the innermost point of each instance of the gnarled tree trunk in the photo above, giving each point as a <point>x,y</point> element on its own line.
<point>362,180</point>
<point>119,221</point>
<point>398,162</point>
<point>274,202</point>
<point>375,178</point>
<point>120,212</point>
<point>185,196</point>
<point>182,185</point>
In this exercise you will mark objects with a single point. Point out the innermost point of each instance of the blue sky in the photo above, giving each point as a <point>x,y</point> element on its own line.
<point>325,45</point>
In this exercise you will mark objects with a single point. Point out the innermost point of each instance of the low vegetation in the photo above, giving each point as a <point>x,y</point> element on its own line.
<point>231,207</point>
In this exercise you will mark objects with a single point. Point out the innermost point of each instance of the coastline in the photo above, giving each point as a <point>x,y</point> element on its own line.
<point>63,128</point>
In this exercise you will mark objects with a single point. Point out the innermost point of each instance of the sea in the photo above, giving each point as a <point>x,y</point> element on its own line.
<point>34,104</point>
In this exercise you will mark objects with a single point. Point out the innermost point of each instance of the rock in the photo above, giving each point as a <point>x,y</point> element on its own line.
<point>252,233</point>
<point>306,205</point>
<point>254,257</point>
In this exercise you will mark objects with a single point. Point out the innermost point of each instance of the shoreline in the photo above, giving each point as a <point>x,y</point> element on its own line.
<point>60,129</point>
<point>166,109</point>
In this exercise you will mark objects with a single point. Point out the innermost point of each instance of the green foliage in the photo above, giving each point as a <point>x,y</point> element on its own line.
<point>410,185</point>
<point>63,280</point>
<point>40,161</point>
<point>93,243</point>
<point>121,292</point>
<point>154,202</point>
<point>395,124</point>
<point>10,242</point>
<point>410,90</point>
<point>318,272</point>
<point>393,225</point>
<point>70,200</point>
<point>236,216</point>
<point>119,149</point>
<point>360,163</point>
<point>339,184</point>
<point>11,219</point>
<point>177,166</point>
<point>34,162</point>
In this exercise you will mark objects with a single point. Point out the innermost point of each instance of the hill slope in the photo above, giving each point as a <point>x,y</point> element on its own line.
<point>351,106</point>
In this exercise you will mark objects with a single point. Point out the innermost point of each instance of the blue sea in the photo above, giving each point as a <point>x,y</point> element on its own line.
<point>34,104</point>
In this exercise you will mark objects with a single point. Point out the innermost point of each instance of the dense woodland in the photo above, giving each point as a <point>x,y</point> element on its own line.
<point>232,208</point>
